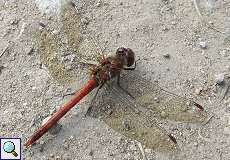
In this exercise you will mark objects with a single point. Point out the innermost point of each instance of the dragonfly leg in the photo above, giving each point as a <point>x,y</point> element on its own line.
<point>89,110</point>
<point>131,68</point>
<point>119,85</point>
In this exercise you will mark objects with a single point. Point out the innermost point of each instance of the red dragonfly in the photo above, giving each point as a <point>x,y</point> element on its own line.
<point>124,100</point>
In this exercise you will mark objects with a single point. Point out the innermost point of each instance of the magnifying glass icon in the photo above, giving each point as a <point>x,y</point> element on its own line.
<point>9,147</point>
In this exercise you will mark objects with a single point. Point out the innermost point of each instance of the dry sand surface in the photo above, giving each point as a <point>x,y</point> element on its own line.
<point>184,45</point>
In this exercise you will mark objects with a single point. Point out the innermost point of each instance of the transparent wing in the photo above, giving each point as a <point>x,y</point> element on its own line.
<point>211,11</point>
<point>160,102</point>
<point>137,118</point>
<point>84,45</point>
<point>65,50</point>
<point>123,118</point>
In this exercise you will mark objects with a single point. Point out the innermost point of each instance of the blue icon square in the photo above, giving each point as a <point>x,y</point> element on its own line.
<point>10,149</point>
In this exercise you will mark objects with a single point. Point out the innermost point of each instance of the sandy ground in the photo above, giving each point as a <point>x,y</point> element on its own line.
<point>199,55</point>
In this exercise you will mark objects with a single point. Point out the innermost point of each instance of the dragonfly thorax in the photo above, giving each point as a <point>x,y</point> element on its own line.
<point>111,66</point>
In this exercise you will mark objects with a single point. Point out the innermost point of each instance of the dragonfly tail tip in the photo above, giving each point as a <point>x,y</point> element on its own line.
<point>199,106</point>
<point>172,138</point>
<point>28,144</point>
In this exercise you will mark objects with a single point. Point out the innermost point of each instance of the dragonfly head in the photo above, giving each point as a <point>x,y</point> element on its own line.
<point>127,55</point>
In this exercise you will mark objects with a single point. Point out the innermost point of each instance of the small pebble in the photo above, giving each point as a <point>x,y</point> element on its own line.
<point>52,111</point>
<point>168,8</point>
<point>227,130</point>
<point>110,111</point>
<point>165,28</point>
<point>42,24</point>
<point>165,1</point>
<point>68,67</point>
<point>211,22</point>
<point>198,90</point>
<point>173,23</point>
<point>203,44</point>
<point>156,99</point>
<point>33,88</point>
<point>66,157</point>
<point>166,56</point>
<point>32,122</point>
<point>41,142</point>
<point>91,152</point>
<point>120,139</point>
<point>41,149</point>
<point>66,146</point>
<point>85,21</point>
<point>163,114</point>
<point>29,50</point>
<point>14,22</point>
<point>219,78</point>
<point>148,151</point>
<point>55,32</point>
<point>98,3</point>
<point>52,155</point>
<point>214,89</point>
<point>195,144</point>
<point>132,147</point>
<point>224,53</point>
<point>111,154</point>
<point>1,68</point>
<point>126,125</point>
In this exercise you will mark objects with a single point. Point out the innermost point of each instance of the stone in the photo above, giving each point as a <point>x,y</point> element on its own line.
<point>66,157</point>
<point>166,56</point>
<point>52,155</point>
<point>165,28</point>
<point>148,151</point>
<point>132,147</point>
<point>219,78</point>
<point>55,32</point>
<point>98,4</point>
<point>203,44</point>
<point>85,21</point>
<point>198,90</point>
<point>30,50</point>
<point>1,68</point>
<point>163,114</point>
<point>227,130</point>
<point>91,152</point>
<point>195,144</point>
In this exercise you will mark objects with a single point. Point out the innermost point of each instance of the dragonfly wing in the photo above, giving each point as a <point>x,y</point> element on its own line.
<point>161,103</point>
<point>121,115</point>
<point>67,53</point>
<point>138,117</point>
<point>86,47</point>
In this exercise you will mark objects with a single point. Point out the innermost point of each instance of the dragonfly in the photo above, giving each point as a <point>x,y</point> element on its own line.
<point>125,101</point>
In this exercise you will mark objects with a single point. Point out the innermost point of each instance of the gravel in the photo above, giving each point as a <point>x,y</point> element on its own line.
<point>219,78</point>
<point>203,44</point>
<point>154,30</point>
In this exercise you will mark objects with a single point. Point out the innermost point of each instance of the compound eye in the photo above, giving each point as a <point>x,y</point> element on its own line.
<point>130,56</point>
<point>121,51</point>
